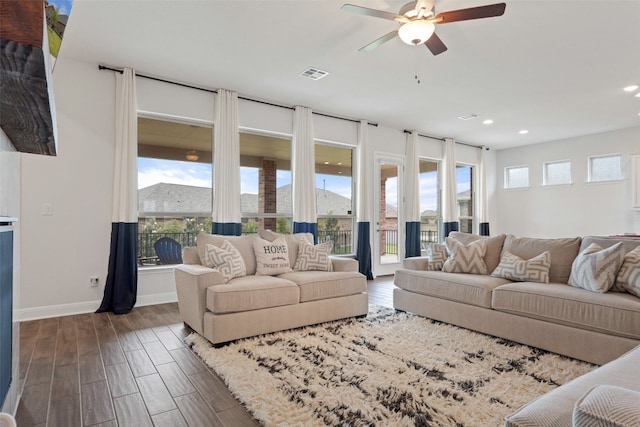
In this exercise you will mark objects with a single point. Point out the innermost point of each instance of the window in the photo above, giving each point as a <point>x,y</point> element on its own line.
<point>516,177</point>
<point>465,197</point>
<point>265,183</point>
<point>174,183</point>
<point>429,201</point>
<point>334,196</point>
<point>605,168</point>
<point>557,173</point>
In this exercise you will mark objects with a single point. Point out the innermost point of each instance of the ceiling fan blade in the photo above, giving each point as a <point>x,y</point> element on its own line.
<point>373,12</point>
<point>435,44</point>
<point>374,44</point>
<point>471,13</point>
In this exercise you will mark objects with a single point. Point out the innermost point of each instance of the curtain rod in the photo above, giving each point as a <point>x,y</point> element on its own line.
<point>442,139</point>
<point>104,67</point>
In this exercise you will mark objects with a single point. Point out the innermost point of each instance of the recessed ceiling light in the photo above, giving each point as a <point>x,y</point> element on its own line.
<point>631,88</point>
<point>326,163</point>
<point>488,122</point>
<point>523,132</point>
<point>638,95</point>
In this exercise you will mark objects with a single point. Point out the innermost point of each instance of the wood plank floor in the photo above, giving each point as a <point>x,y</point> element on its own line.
<point>127,370</point>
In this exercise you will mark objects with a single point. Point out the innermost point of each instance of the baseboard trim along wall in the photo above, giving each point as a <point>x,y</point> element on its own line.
<point>35,313</point>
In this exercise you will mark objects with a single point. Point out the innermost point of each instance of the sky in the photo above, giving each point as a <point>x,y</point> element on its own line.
<point>64,6</point>
<point>153,171</point>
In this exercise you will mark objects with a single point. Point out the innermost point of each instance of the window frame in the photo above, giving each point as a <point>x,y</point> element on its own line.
<point>545,179</point>
<point>590,178</point>
<point>472,199</point>
<point>507,185</point>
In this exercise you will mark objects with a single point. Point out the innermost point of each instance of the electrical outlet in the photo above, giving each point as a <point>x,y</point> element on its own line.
<point>94,281</point>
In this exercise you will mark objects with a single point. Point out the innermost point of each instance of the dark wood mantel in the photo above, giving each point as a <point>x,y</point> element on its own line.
<point>25,108</point>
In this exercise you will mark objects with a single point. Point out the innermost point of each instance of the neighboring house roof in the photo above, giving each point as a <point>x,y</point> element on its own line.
<point>170,199</point>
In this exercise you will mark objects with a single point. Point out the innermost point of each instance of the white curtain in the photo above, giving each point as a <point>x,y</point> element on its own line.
<point>483,203</point>
<point>121,286</point>
<point>303,171</point>
<point>226,165</point>
<point>363,205</point>
<point>412,196</point>
<point>449,188</point>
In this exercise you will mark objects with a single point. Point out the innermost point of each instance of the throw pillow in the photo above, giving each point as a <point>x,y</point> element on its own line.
<point>437,255</point>
<point>628,279</point>
<point>513,267</point>
<point>291,239</point>
<point>271,257</point>
<point>312,257</point>
<point>465,258</point>
<point>595,269</point>
<point>226,259</point>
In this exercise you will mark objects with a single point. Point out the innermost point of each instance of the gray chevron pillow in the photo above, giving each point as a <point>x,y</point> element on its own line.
<point>226,259</point>
<point>314,257</point>
<point>513,267</point>
<point>465,258</point>
<point>628,279</point>
<point>595,269</point>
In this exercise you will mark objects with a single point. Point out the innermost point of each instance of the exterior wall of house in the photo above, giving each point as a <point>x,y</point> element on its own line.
<point>578,209</point>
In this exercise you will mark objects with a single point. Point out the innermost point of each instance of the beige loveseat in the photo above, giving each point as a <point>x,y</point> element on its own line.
<point>252,304</point>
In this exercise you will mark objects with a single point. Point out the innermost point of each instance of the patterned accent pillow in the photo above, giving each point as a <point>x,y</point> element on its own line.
<point>513,267</point>
<point>465,258</point>
<point>595,269</point>
<point>314,257</point>
<point>437,255</point>
<point>271,257</point>
<point>628,279</point>
<point>226,259</point>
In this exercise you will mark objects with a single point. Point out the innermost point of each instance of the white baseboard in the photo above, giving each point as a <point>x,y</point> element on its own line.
<point>88,307</point>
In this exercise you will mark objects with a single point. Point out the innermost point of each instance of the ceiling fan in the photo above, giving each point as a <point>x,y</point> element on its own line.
<point>419,20</point>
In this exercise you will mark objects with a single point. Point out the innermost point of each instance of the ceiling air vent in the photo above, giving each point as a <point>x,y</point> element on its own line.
<point>469,116</point>
<point>314,73</point>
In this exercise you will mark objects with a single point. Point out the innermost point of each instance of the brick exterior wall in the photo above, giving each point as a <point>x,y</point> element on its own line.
<point>267,194</point>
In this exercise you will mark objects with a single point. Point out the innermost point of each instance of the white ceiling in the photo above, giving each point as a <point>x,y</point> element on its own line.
<point>556,68</point>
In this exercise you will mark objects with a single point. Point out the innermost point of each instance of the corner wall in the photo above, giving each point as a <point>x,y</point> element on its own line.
<point>578,209</point>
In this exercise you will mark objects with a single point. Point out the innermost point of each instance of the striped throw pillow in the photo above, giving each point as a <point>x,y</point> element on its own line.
<point>513,267</point>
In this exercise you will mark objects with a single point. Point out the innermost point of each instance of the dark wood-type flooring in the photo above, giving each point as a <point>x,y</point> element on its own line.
<point>127,370</point>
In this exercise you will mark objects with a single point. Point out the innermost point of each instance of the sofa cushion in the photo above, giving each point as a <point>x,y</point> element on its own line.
<point>513,267</point>
<point>563,252</point>
<point>628,278</point>
<point>494,246</point>
<point>271,257</point>
<point>465,258</point>
<point>607,406</point>
<point>251,293</point>
<point>292,241</point>
<point>313,258</point>
<point>226,260</point>
<point>473,289</point>
<point>611,313</point>
<point>316,285</point>
<point>244,244</point>
<point>595,269</point>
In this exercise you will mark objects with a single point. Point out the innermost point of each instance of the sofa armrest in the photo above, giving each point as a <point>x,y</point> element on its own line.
<point>415,263</point>
<point>192,282</point>
<point>344,264</point>
<point>608,405</point>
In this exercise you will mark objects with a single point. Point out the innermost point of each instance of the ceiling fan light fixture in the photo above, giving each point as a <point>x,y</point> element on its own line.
<point>416,32</point>
<point>192,156</point>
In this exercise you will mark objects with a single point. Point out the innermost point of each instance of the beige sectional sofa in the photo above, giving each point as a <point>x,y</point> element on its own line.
<point>598,327</point>
<point>223,309</point>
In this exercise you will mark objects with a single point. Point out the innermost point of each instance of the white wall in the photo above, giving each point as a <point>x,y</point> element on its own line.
<point>61,251</point>
<point>578,209</point>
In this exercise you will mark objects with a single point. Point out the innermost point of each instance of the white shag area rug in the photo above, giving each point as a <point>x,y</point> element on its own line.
<point>388,369</point>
